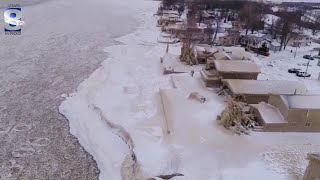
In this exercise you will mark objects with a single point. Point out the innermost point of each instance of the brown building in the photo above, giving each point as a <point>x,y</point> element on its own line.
<point>203,52</point>
<point>168,19</point>
<point>255,91</point>
<point>313,169</point>
<point>226,69</point>
<point>231,39</point>
<point>237,69</point>
<point>295,113</point>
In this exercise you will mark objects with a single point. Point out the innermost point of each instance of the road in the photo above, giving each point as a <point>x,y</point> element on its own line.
<point>61,44</point>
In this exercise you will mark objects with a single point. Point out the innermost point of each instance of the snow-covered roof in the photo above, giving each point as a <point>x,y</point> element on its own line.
<point>303,101</point>
<point>275,43</point>
<point>226,25</point>
<point>256,35</point>
<point>236,66</point>
<point>265,87</point>
<point>175,26</point>
<point>205,48</point>
<point>236,53</point>
<point>221,56</point>
<point>169,12</point>
<point>314,156</point>
<point>270,18</point>
<point>275,8</point>
<point>201,25</point>
<point>269,113</point>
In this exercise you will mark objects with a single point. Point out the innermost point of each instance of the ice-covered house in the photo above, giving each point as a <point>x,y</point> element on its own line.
<point>256,91</point>
<point>295,113</point>
<point>226,69</point>
<point>170,19</point>
<point>203,52</point>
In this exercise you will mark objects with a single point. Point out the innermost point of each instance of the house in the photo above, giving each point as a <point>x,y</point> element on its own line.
<point>231,39</point>
<point>293,113</point>
<point>203,52</point>
<point>258,43</point>
<point>222,26</point>
<point>166,20</point>
<point>275,46</point>
<point>255,39</point>
<point>313,169</point>
<point>236,53</point>
<point>207,16</point>
<point>173,29</point>
<point>255,91</point>
<point>193,33</point>
<point>300,40</point>
<point>237,69</point>
<point>270,20</point>
<point>237,25</point>
<point>226,69</point>
<point>168,12</point>
<point>219,55</point>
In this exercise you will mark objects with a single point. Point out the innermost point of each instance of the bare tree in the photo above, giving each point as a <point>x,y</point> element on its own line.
<point>218,24</point>
<point>251,15</point>
<point>286,26</point>
<point>189,36</point>
<point>314,25</point>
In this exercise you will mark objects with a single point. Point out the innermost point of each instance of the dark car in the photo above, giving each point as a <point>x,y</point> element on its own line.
<point>303,74</point>
<point>308,57</point>
<point>318,56</point>
<point>294,70</point>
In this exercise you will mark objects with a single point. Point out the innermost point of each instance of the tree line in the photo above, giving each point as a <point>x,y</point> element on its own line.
<point>252,15</point>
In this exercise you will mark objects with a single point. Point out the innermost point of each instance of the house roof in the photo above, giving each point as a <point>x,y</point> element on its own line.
<point>303,101</point>
<point>270,18</point>
<point>314,156</point>
<point>269,114</point>
<point>265,87</point>
<point>221,56</point>
<point>203,48</point>
<point>236,66</point>
<point>169,12</point>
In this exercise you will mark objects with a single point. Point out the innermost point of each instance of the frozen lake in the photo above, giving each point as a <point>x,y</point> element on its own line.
<point>61,44</point>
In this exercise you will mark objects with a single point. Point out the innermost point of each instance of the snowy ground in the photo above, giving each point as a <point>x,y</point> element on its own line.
<point>126,88</point>
<point>61,44</point>
<point>275,66</point>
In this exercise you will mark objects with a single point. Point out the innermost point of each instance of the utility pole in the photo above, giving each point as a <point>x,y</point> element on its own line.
<point>295,53</point>
<point>307,65</point>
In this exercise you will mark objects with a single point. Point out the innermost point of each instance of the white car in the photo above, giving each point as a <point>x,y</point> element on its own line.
<point>303,74</point>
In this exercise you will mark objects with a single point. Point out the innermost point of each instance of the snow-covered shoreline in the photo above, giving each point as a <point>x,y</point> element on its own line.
<point>117,79</point>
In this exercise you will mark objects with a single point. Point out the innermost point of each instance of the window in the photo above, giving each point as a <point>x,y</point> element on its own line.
<point>308,124</point>
<point>293,124</point>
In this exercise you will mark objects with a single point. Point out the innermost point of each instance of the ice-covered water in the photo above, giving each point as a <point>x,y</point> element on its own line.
<point>61,44</point>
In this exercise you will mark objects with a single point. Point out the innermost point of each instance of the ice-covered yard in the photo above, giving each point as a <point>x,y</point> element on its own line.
<point>125,93</point>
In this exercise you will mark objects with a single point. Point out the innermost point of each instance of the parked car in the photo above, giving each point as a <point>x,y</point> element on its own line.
<point>308,57</point>
<point>318,57</point>
<point>303,74</point>
<point>294,70</point>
